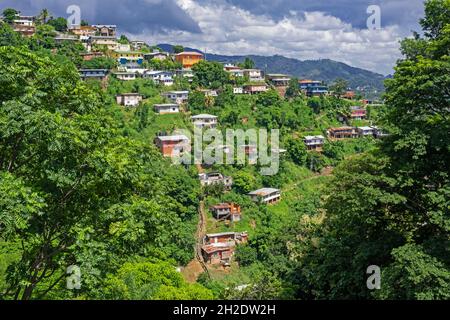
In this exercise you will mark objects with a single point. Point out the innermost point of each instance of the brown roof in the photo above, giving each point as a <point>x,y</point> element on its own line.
<point>210,248</point>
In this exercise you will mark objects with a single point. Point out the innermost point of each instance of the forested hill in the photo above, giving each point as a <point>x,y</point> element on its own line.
<point>324,69</point>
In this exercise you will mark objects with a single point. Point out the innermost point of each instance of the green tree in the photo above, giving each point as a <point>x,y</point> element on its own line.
<point>293,90</point>
<point>339,87</point>
<point>178,49</point>
<point>210,74</point>
<point>390,207</point>
<point>297,151</point>
<point>9,15</point>
<point>60,24</point>
<point>247,64</point>
<point>154,280</point>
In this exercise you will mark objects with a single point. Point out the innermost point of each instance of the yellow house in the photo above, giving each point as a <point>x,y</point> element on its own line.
<point>188,59</point>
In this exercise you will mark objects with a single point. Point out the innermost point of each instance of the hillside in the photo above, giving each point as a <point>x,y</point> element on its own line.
<point>323,69</point>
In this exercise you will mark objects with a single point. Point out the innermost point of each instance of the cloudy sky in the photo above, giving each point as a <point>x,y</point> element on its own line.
<point>301,29</point>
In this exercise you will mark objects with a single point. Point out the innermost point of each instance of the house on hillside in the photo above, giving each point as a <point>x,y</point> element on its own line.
<point>314,142</point>
<point>178,97</point>
<point>214,178</point>
<point>129,99</point>
<point>110,43</point>
<point>105,30</point>
<point>96,74</point>
<point>366,131</point>
<point>358,113</point>
<point>219,248</point>
<point>137,45</point>
<point>156,55</point>
<point>278,80</point>
<point>173,146</point>
<point>254,75</point>
<point>125,57</point>
<point>238,90</point>
<point>83,31</point>
<point>342,133</point>
<point>25,26</point>
<point>313,88</point>
<point>205,121</point>
<point>167,108</point>
<point>160,77</point>
<point>255,88</point>
<point>188,59</point>
<point>266,195</point>
<point>227,211</point>
<point>125,76</point>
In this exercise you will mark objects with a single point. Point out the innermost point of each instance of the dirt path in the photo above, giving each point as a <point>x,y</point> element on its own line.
<point>197,266</point>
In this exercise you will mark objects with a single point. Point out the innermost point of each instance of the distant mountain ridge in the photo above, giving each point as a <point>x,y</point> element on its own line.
<point>324,69</point>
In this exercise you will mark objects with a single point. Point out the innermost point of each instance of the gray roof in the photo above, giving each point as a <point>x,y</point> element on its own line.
<point>264,192</point>
<point>173,138</point>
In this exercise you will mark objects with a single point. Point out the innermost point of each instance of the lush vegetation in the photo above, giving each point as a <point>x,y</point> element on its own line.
<point>81,182</point>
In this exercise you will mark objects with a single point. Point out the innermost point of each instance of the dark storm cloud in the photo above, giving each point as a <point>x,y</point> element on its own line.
<point>404,13</point>
<point>131,16</point>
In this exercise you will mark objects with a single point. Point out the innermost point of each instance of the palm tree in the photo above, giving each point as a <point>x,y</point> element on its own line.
<point>44,15</point>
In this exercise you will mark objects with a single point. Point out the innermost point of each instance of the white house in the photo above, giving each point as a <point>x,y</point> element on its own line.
<point>125,76</point>
<point>266,195</point>
<point>178,97</point>
<point>167,108</point>
<point>238,90</point>
<point>314,142</point>
<point>205,121</point>
<point>366,131</point>
<point>254,75</point>
<point>129,99</point>
<point>160,77</point>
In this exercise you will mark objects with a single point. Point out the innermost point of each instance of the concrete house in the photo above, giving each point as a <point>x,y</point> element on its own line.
<point>238,90</point>
<point>313,88</point>
<point>254,75</point>
<point>219,248</point>
<point>188,59</point>
<point>255,88</point>
<point>314,142</point>
<point>173,146</point>
<point>167,108</point>
<point>125,76</point>
<point>109,42</point>
<point>129,99</point>
<point>205,121</point>
<point>358,113</point>
<point>266,195</point>
<point>278,80</point>
<point>209,179</point>
<point>342,133</point>
<point>105,30</point>
<point>160,77</point>
<point>177,96</point>
<point>366,131</point>
<point>156,55</point>
<point>96,74</point>
<point>227,211</point>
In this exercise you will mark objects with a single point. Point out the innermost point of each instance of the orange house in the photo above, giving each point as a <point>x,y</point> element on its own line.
<point>173,146</point>
<point>188,59</point>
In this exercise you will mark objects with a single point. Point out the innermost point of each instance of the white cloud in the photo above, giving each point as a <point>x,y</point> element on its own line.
<point>230,30</point>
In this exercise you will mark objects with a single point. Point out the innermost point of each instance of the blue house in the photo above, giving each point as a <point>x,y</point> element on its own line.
<point>313,88</point>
